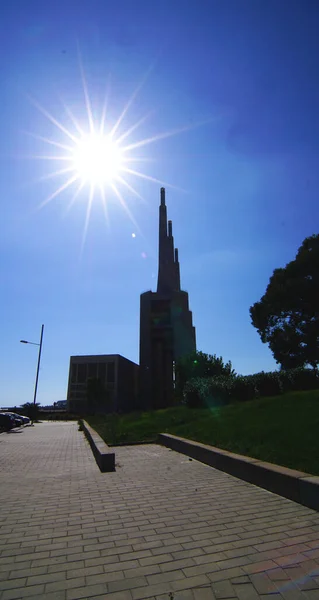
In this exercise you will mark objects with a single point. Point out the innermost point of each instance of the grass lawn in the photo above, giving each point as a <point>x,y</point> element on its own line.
<point>282,430</point>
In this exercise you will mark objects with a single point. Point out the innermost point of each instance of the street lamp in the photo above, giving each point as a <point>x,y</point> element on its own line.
<point>39,358</point>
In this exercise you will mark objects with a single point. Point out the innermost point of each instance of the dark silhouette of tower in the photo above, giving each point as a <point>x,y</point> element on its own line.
<point>166,325</point>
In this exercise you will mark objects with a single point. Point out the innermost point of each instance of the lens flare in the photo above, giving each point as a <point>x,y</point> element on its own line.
<point>100,156</point>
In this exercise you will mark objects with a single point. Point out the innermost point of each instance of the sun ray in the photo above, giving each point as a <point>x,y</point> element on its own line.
<point>130,187</point>
<point>48,141</point>
<point>87,217</point>
<point>74,197</point>
<point>104,205</point>
<point>62,187</point>
<point>150,178</point>
<point>45,177</point>
<point>131,100</point>
<point>127,159</point>
<point>86,95</point>
<point>135,126</point>
<point>167,134</point>
<point>53,120</point>
<point>72,117</point>
<point>103,116</point>
<point>126,208</point>
<point>45,157</point>
<point>54,174</point>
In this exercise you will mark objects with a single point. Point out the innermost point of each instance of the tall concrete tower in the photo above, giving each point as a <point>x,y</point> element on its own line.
<point>166,325</point>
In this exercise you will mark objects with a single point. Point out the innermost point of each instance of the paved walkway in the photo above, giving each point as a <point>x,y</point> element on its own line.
<point>162,526</point>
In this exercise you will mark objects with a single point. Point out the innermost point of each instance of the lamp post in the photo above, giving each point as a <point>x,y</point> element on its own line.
<point>39,359</point>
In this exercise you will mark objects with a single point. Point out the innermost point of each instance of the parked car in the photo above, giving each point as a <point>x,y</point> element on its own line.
<point>6,422</point>
<point>19,419</point>
<point>26,420</point>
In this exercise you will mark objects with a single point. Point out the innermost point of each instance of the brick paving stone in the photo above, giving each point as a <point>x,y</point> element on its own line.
<point>223,589</point>
<point>201,569</point>
<point>61,595</point>
<point>246,592</point>
<point>263,584</point>
<point>159,524</point>
<point>204,594</point>
<point>126,584</point>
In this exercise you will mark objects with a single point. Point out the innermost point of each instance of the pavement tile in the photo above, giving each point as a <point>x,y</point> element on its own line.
<point>223,590</point>
<point>25,592</point>
<point>246,592</point>
<point>59,586</point>
<point>127,584</point>
<point>204,594</point>
<point>160,524</point>
<point>86,591</point>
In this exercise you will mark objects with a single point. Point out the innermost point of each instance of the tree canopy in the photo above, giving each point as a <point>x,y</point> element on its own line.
<point>287,316</point>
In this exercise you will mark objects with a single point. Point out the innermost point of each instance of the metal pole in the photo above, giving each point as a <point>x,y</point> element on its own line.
<point>38,367</point>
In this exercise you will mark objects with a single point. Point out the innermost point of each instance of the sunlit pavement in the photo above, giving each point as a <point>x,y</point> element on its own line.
<point>161,526</point>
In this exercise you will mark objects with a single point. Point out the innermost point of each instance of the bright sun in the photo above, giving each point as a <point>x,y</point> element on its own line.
<point>97,159</point>
<point>100,158</point>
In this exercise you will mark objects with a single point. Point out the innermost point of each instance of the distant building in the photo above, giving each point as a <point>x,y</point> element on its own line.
<point>101,384</point>
<point>166,324</point>
<point>61,404</point>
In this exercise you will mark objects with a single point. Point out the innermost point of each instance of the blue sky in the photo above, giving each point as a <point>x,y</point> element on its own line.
<point>246,181</point>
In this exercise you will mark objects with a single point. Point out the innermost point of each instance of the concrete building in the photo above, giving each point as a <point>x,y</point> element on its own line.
<point>166,326</point>
<point>102,383</point>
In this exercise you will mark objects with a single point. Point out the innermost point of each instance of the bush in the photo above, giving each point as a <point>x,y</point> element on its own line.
<point>199,365</point>
<point>268,384</point>
<point>208,392</point>
<point>194,393</point>
<point>299,379</point>
<point>244,388</point>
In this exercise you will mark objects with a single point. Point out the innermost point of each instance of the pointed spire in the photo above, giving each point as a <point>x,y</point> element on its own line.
<point>162,219</point>
<point>177,272</point>
<point>168,266</point>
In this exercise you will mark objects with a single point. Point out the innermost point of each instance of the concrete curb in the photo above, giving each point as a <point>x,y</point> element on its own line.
<point>105,459</point>
<point>294,485</point>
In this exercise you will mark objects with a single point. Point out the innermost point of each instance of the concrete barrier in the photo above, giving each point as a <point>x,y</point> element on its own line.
<point>294,485</point>
<point>104,457</point>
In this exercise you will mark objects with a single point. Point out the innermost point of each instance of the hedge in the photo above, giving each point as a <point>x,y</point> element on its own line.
<point>217,391</point>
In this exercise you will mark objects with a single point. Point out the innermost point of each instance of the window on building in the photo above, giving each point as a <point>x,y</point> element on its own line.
<point>73,373</point>
<point>82,373</point>
<point>110,372</point>
<point>92,370</point>
<point>102,372</point>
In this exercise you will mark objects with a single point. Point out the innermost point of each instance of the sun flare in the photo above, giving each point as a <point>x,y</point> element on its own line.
<point>97,159</point>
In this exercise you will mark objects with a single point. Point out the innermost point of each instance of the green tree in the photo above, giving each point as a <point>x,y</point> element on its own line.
<point>287,316</point>
<point>31,410</point>
<point>200,365</point>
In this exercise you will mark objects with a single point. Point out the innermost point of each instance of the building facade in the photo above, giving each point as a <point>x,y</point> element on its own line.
<point>166,325</point>
<point>101,384</point>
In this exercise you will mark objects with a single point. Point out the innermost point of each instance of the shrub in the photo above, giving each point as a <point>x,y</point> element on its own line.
<point>244,388</point>
<point>268,384</point>
<point>208,392</point>
<point>200,365</point>
<point>193,393</point>
<point>301,379</point>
